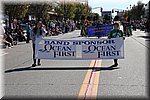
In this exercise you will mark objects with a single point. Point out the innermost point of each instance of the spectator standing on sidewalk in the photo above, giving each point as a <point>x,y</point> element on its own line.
<point>37,32</point>
<point>147,26</point>
<point>3,37</point>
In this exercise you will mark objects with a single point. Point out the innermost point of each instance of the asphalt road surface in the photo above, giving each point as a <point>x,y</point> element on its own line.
<point>78,79</point>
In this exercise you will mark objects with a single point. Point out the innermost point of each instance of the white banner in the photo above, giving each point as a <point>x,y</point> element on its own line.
<point>80,49</point>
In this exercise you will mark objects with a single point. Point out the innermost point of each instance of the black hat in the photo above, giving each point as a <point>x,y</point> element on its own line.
<point>116,18</point>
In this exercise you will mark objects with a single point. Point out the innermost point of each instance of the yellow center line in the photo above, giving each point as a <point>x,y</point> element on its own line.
<point>85,83</point>
<point>96,81</point>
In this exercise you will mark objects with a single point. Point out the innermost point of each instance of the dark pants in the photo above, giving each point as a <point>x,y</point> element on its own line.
<point>34,60</point>
<point>115,61</point>
<point>28,37</point>
<point>7,44</point>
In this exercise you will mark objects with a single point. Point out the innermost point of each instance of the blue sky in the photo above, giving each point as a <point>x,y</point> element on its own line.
<point>109,4</point>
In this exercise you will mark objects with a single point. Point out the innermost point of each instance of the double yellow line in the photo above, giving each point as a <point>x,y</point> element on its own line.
<point>89,86</point>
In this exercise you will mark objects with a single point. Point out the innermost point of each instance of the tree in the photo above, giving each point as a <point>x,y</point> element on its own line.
<point>16,10</point>
<point>66,10</point>
<point>40,10</point>
<point>82,10</point>
<point>79,12</point>
<point>70,10</point>
<point>137,11</point>
<point>21,11</point>
<point>59,9</point>
<point>95,16</point>
<point>73,10</point>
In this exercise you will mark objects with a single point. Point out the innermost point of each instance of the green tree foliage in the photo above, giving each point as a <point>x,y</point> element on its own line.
<point>137,11</point>
<point>23,10</point>
<point>82,10</point>
<point>15,10</point>
<point>94,16</point>
<point>40,10</point>
<point>79,11</point>
<point>59,9</point>
<point>66,10</point>
<point>73,10</point>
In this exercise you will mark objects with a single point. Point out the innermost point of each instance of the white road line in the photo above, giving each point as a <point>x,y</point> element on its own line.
<point>2,54</point>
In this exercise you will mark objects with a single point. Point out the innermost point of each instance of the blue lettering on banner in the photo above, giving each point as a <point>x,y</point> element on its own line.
<point>49,47</point>
<point>102,30</point>
<point>101,48</point>
<point>57,42</point>
<point>63,53</point>
<point>94,42</point>
<point>89,49</point>
<point>108,53</point>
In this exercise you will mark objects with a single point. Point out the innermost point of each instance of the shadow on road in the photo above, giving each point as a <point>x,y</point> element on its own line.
<point>22,43</point>
<point>148,40</point>
<point>60,68</point>
<point>106,68</point>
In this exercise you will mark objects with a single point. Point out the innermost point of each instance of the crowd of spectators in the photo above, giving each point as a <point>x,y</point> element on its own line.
<point>20,30</point>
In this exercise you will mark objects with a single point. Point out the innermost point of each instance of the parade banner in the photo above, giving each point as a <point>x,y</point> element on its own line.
<point>100,31</point>
<point>80,49</point>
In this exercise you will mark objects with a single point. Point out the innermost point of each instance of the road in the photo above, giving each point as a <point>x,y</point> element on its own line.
<point>77,78</point>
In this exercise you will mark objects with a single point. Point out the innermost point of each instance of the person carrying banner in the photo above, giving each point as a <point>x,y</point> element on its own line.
<point>115,33</point>
<point>37,32</point>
